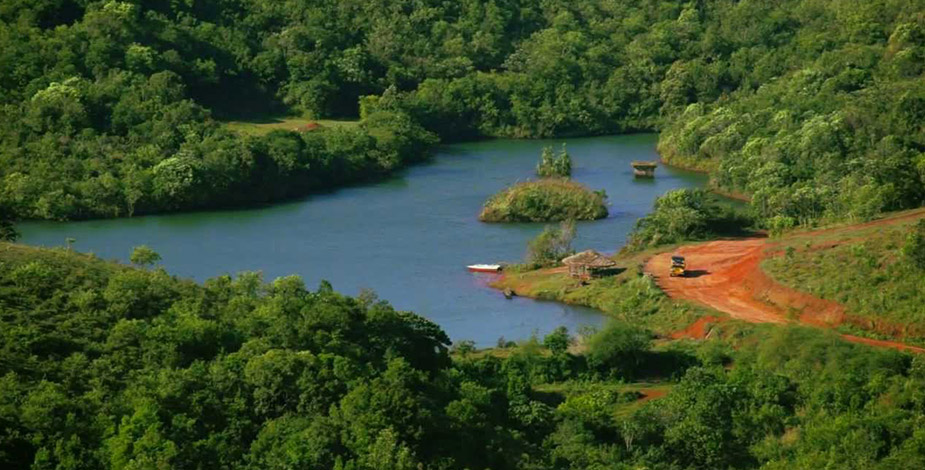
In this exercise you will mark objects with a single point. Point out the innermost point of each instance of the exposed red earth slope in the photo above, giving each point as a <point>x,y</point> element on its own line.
<point>726,275</point>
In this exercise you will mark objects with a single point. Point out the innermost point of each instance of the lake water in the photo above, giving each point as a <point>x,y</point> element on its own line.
<point>407,238</point>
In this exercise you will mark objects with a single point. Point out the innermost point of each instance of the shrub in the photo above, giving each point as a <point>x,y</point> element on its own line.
<point>33,276</point>
<point>779,224</point>
<point>686,214</point>
<point>551,245</point>
<point>464,347</point>
<point>554,165</point>
<point>914,248</point>
<point>618,348</point>
<point>548,200</point>
<point>144,256</point>
<point>558,340</point>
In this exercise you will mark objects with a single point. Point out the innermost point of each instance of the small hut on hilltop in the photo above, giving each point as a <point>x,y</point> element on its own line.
<point>642,169</point>
<point>588,264</point>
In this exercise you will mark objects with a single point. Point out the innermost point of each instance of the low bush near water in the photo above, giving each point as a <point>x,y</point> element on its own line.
<point>549,200</point>
<point>686,214</point>
<point>551,245</point>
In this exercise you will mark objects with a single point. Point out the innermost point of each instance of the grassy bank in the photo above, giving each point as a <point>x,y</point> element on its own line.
<point>866,271</point>
<point>546,200</point>
<point>863,268</point>
<point>629,295</point>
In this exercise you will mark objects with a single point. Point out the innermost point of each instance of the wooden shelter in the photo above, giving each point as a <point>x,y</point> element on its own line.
<point>588,264</point>
<point>643,169</point>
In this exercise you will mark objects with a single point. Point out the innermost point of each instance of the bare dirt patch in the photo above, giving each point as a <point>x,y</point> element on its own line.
<point>729,279</point>
<point>700,329</point>
<point>651,394</point>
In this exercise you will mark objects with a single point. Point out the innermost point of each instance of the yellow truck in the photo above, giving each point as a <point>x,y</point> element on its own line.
<point>678,266</point>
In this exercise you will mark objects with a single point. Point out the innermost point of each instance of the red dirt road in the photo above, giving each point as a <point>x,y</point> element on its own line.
<point>726,276</point>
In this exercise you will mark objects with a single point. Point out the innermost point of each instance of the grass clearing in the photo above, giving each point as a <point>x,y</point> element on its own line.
<point>263,126</point>
<point>861,268</point>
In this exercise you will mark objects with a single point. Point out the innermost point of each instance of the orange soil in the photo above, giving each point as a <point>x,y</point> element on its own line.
<point>652,394</point>
<point>726,275</point>
<point>698,329</point>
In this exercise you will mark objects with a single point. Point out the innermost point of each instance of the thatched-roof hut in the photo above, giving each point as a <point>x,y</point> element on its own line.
<point>588,264</point>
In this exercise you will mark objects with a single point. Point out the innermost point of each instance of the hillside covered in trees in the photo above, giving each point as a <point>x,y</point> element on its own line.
<point>814,108</point>
<point>110,366</point>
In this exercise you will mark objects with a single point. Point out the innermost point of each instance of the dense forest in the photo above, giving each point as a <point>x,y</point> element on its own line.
<point>110,366</point>
<point>813,108</point>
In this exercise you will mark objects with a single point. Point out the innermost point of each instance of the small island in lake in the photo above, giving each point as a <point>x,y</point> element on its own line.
<point>546,200</point>
<point>551,199</point>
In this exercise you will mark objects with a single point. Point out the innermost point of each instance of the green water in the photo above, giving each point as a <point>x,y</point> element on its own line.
<point>408,238</point>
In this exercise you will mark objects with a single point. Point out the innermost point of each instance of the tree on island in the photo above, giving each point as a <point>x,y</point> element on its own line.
<point>554,166</point>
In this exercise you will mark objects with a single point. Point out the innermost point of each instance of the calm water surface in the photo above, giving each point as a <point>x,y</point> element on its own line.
<point>408,238</point>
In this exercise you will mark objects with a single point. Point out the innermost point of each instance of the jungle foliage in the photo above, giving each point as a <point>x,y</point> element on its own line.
<point>106,366</point>
<point>812,108</point>
<point>686,214</point>
<point>109,366</point>
<point>110,108</point>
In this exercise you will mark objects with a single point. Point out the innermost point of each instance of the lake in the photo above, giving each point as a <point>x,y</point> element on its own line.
<point>408,238</point>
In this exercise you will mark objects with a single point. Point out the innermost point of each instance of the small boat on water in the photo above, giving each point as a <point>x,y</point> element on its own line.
<point>485,268</point>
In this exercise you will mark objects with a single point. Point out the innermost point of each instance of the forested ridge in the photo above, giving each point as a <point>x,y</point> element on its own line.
<point>814,108</point>
<point>106,366</point>
<point>110,366</point>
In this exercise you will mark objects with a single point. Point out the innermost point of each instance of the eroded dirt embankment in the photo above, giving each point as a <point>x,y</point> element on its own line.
<point>726,275</point>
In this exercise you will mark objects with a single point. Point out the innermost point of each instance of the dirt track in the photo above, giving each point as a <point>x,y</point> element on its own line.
<point>726,275</point>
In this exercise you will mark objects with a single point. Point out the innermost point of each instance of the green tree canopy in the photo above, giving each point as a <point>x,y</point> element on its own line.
<point>144,256</point>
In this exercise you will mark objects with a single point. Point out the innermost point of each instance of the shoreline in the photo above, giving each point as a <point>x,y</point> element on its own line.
<point>629,295</point>
<point>726,262</point>
<point>735,196</point>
